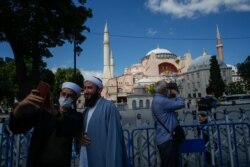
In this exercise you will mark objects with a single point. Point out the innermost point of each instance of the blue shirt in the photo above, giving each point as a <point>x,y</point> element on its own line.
<point>164,108</point>
<point>214,102</point>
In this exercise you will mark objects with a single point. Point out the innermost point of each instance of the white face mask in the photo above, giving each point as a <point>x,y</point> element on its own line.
<point>65,102</point>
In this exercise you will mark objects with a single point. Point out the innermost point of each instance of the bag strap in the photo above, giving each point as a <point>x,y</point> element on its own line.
<point>161,123</point>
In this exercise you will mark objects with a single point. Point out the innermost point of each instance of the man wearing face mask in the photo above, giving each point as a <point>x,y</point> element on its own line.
<point>53,128</point>
<point>102,140</point>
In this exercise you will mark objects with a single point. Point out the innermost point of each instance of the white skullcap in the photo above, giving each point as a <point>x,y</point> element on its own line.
<point>74,87</point>
<point>202,113</point>
<point>95,80</point>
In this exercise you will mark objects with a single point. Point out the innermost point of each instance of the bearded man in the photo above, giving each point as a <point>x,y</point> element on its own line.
<point>102,142</point>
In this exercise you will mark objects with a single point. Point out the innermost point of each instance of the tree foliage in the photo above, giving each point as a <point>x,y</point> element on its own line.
<point>244,72</point>
<point>33,27</point>
<point>235,88</point>
<point>63,75</point>
<point>8,83</point>
<point>9,88</point>
<point>150,89</point>
<point>49,77</point>
<point>215,80</point>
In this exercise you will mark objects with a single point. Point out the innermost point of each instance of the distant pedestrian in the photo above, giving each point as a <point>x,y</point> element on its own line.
<point>203,132</point>
<point>208,103</point>
<point>188,104</point>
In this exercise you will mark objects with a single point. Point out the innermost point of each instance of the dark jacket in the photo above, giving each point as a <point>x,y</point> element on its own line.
<point>51,141</point>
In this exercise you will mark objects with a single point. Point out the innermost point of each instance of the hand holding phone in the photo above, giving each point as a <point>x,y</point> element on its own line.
<point>43,89</point>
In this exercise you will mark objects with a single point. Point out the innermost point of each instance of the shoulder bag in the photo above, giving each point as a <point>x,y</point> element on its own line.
<point>178,133</point>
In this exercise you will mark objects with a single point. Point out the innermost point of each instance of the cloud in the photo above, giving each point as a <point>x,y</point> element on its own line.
<point>170,31</point>
<point>196,8</point>
<point>91,73</point>
<point>152,32</point>
<point>83,72</point>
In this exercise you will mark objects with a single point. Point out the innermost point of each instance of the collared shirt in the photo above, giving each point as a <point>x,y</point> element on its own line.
<point>164,108</point>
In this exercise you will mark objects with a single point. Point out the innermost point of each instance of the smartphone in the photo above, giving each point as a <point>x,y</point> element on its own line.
<point>43,89</point>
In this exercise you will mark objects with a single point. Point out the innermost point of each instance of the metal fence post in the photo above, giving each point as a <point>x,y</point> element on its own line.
<point>229,139</point>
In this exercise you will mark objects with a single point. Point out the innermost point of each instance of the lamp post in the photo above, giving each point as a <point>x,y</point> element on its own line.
<point>77,52</point>
<point>117,91</point>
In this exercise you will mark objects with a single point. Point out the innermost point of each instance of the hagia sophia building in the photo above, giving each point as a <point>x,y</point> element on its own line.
<point>191,76</point>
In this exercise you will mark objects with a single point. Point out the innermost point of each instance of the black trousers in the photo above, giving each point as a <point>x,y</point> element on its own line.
<point>169,154</point>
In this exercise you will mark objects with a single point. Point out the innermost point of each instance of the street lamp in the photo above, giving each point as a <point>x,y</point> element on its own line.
<point>77,52</point>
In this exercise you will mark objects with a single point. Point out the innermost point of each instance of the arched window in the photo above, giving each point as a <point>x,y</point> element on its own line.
<point>120,90</point>
<point>147,103</point>
<point>140,104</point>
<point>134,104</point>
<point>167,68</point>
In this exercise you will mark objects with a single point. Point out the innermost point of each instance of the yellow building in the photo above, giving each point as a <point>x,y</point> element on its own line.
<point>159,64</point>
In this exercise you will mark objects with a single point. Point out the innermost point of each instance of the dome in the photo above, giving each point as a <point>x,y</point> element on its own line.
<point>159,51</point>
<point>203,62</point>
<point>138,86</point>
<point>234,68</point>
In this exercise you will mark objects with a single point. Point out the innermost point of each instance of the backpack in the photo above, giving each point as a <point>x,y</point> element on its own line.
<point>205,104</point>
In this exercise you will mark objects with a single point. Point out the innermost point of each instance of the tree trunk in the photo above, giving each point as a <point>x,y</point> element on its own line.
<point>21,73</point>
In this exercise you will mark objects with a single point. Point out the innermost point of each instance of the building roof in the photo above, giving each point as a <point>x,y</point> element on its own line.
<point>203,62</point>
<point>159,51</point>
<point>234,68</point>
<point>144,80</point>
<point>138,86</point>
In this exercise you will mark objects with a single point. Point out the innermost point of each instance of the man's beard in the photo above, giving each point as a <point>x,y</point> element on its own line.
<point>92,101</point>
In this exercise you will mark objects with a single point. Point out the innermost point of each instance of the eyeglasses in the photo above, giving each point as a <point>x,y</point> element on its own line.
<point>65,94</point>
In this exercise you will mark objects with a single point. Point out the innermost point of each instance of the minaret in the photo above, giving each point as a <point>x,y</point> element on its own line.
<point>106,56</point>
<point>219,45</point>
<point>112,65</point>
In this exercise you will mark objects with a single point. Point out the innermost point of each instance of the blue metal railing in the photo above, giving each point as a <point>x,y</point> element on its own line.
<point>229,142</point>
<point>223,148</point>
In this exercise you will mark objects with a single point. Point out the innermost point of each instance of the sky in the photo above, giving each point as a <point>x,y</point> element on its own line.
<point>139,26</point>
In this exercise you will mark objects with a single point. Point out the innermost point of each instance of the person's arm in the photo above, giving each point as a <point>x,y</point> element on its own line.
<point>23,117</point>
<point>175,103</point>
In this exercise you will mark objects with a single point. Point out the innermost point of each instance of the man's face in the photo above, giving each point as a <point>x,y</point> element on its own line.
<point>90,90</point>
<point>202,118</point>
<point>91,93</point>
<point>68,93</point>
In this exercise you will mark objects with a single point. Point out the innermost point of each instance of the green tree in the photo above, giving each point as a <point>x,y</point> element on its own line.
<point>33,27</point>
<point>49,77</point>
<point>235,88</point>
<point>244,72</point>
<point>62,75</point>
<point>8,83</point>
<point>150,89</point>
<point>215,79</point>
